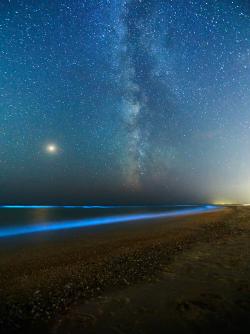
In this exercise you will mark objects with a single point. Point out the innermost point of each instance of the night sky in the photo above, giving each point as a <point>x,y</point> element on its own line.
<point>124,101</point>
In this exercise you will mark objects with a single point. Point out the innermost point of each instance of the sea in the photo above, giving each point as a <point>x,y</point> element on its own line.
<point>25,220</point>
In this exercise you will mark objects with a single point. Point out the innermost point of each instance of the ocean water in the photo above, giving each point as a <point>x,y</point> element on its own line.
<point>20,220</point>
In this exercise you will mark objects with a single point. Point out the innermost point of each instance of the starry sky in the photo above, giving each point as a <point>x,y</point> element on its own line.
<point>124,101</point>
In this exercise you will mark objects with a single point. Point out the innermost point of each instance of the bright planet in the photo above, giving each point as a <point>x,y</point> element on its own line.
<point>51,148</point>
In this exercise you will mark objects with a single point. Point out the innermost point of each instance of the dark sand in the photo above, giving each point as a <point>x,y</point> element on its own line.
<point>187,275</point>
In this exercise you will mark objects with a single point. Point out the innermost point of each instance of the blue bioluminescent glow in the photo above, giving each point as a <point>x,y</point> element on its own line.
<point>88,206</point>
<point>54,226</point>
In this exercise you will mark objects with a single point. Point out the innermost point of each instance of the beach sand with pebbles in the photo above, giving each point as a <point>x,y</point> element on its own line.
<point>185,275</point>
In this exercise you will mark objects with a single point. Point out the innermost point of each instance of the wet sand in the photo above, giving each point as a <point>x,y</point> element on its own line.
<point>189,274</point>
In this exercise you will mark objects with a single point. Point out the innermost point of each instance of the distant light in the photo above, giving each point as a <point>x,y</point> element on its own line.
<point>222,202</point>
<point>51,148</point>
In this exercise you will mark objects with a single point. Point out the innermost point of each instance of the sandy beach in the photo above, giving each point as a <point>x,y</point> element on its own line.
<point>190,274</point>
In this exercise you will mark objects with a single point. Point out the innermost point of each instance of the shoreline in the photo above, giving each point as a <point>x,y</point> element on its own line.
<point>46,280</point>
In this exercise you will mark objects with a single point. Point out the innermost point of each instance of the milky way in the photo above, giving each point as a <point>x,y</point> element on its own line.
<point>144,82</point>
<point>147,101</point>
